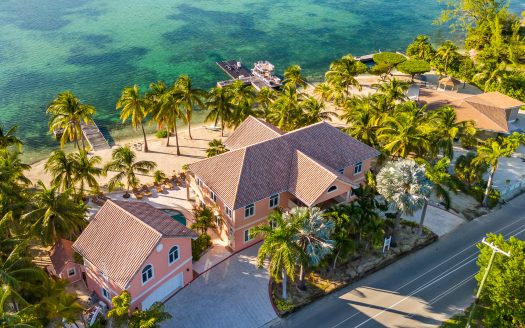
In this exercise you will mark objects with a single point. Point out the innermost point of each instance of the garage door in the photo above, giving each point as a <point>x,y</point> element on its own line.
<point>163,291</point>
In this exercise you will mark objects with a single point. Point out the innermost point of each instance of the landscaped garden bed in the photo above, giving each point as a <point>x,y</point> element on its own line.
<point>325,279</point>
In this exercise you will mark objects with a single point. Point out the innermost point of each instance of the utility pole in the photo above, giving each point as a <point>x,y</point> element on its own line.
<point>495,250</point>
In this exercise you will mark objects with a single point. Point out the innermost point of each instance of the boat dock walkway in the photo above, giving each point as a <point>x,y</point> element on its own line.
<point>234,69</point>
<point>94,137</point>
<point>261,76</point>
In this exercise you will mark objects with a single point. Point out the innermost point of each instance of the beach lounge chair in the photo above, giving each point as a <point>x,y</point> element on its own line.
<point>159,187</point>
<point>213,128</point>
<point>137,193</point>
<point>145,191</point>
<point>168,183</point>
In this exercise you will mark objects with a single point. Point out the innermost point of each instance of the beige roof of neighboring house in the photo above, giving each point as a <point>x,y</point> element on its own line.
<point>252,130</point>
<point>449,81</point>
<point>303,162</point>
<point>495,99</point>
<point>122,235</point>
<point>61,254</point>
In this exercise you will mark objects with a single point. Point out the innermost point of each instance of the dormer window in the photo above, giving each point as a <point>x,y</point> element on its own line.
<point>332,189</point>
<point>341,171</point>
<point>358,168</point>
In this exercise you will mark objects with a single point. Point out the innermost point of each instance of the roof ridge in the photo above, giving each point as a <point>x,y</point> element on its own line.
<point>134,216</point>
<point>485,115</point>
<point>306,127</point>
<point>239,179</point>
<point>265,124</point>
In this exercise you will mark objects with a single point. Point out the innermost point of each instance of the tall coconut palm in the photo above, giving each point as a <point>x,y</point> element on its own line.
<point>154,100</point>
<point>279,248</point>
<point>167,111</point>
<point>489,153</point>
<point>448,129</point>
<point>17,268</point>
<point>313,236</point>
<point>293,75</point>
<point>215,147</point>
<point>421,48</point>
<point>285,111</point>
<point>60,166</point>
<point>63,307</point>
<point>67,113</point>
<point>491,74</point>
<point>264,99</point>
<point>342,73</point>
<point>132,104</point>
<point>447,52</point>
<point>363,120</point>
<point>243,98</point>
<point>86,171</point>
<point>125,164</point>
<point>324,91</point>
<point>55,215</point>
<point>220,105</point>
<point>394,90</point>
<point>13,182</point>
<point>8,137</point>
<point>189,97</point>
<point>314,111</point>
<point>404,185</point>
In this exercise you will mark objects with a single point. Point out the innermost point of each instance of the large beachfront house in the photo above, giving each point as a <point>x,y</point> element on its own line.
<point>266,168</point>
<point>133,246</point>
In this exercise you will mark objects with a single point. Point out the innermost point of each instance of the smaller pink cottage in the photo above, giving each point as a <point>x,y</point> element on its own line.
<point>63,263</point>
<point>135,247</point>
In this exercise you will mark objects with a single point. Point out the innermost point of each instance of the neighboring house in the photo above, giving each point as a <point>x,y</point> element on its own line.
<point>266,168</point>
<point>491,111</point>
<point>133,246</point>
<point>63,263</point>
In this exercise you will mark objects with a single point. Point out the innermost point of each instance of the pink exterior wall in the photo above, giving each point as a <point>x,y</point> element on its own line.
<point>360,177</point>
<point>74,278</point>
<point>342,189</point>
<point>162,271</point>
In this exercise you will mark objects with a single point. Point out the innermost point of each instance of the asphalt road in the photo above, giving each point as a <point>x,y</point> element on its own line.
<point>420,290</point>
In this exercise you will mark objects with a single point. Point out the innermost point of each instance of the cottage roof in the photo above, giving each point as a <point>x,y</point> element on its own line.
<point>61,254</point>
<point>251,131</point>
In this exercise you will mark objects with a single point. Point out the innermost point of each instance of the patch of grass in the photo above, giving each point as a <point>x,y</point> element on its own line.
<point>460,320</point>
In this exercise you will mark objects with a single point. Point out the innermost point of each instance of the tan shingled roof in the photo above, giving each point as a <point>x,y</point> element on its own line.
<point>246,175</point>
<point>122,235</point>
<point>495,99</point>
<point>252,130</point>
<point>61,254</point>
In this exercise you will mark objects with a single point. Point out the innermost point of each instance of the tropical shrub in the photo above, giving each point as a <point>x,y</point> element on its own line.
<point>414,67</point>
<point>161,134</point>
<point>468,172</point>
<point>199,245</point>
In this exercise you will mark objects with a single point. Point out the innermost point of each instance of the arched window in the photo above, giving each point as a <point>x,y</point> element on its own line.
<point>173,255</point>
<point>147,273</point>
<point>332,188</point>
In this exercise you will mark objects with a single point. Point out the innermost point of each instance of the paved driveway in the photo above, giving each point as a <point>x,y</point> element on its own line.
<point>231,294</point>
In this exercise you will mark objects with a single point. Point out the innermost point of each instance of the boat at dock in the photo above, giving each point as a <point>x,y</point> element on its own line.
<point>261,75</point>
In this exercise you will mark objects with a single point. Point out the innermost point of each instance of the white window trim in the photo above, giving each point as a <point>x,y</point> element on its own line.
<point>277,203</point>
<point>253,214</point>
<point>102,289</point>
<point>341,171</point>
<point>226,210</point>
<point>360,168</point>
<point>329,191</point>
<point>249,237</point>
<point>213,197</point>
<point>152,274</point>
<point>74,272</point>
<point>169,252</point>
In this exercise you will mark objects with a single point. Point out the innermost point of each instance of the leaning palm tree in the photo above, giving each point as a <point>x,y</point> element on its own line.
<point>342,73</point>
<point>189,97</point>
<point>8,137</point>
<point>125,164</point>
<point>285,111</point>
<point>394,90</point>
<point>60,166</point>
<point>313,236</point>
<point>215,147</point>
<point>279,248</point>
<point>132,104</point>
<point>491,74</point>
<point>67,114</point>
<point>448,129</point>
<point>167,111</point>
<point>86,171</point>
<point>404,185</point>
<point>489,153</point>
<point>363,120</point>
<point>447,52</point>
<point>264,99</point>
<point>13,182</point>
<point>220,105</point>
<point>55,215</point>
<point>154,100</point>
<point>314,111</point>
<point>243,98</point>
<point>293,75</point>
<point>63,308</point>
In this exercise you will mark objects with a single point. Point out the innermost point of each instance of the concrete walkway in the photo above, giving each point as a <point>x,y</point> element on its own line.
<point>438,220</point>
<point>213,256</point>
<point>231,294</point>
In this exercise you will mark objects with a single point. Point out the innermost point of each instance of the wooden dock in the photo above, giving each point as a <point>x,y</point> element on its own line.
<point>234,69</point>
<point>261,76</point>
<point>94,137</point>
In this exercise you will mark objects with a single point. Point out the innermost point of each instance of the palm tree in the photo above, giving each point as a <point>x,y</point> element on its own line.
<point>8,138</point>
<point>63,307</point>
<point>440,179</point>
<point>421,48</point>
<point>285,111</point>
<point>85,171</point>
<point>279,247</point>
<point>61,168</point>
<point>155,100</point>
<point>13,182</point>
<point>166,109</point>
<point>491,74</point>
<point>314,111</point>
<point>220,105</point>
<point>67,113</point>
<point>324,91</point>
<point>342,73</point>
<point>446,52</point>
<point>404,185</point>
<point>313,236</point>
<point>124,162</point>
<point>363,120</point>
<point>189,97</point>
<point>489,153</point>
<point>406,132</point>
<point>394,90</point>
<point>264,99</point>
<point>243,98</point>
<point>448,129</point>
<point>132,104</point>
<point>215,147</point>
<point>55,215</point>
<point>293,75</point>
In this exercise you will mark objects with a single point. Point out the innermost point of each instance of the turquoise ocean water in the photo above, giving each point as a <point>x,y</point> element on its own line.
<point>97,47</point>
